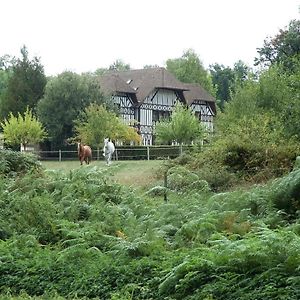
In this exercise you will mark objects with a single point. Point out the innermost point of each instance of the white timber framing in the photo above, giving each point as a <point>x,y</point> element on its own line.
<point>156,106</point>
<point>204,113</point>
<point>126,107</point>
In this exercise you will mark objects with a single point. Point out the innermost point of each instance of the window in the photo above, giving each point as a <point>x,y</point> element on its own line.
<point>159,115</point>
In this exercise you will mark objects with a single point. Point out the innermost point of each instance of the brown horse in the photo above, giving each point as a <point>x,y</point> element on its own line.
<point>84,153</point>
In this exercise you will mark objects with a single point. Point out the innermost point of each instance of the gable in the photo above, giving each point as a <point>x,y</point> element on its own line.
<point>161,99</point>
<point>196,94</point>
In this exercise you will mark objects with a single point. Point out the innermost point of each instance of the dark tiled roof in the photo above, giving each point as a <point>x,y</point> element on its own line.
<point>196,92</point>
<point>146,80</point>
<point>111,83</point>
<point>143,82</point>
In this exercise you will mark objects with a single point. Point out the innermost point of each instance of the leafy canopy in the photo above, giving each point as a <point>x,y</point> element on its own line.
<point>183,127</point>
<point>282,47</point>
<point>189,69</point>
<point>97,123</point>
<point>227,80</point>
<point>119,65</point>
<point>23,129</point>
<point>65,97</point>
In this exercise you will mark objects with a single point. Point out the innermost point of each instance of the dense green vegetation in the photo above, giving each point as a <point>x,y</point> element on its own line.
<point>228,228</point>
<point>79,234</point>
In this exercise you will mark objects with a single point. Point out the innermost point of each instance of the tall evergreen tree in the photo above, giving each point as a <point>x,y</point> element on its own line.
<point>25,85</point>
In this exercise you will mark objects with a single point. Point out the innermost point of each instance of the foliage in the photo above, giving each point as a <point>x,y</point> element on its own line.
<point>119,65</point>
<point>227,80</point>
<point>282,47</point>
<point>25,86</point>
<point>223,79</point>
<point>189,69</point>
<point>285,194</point>
<point>253,140</point>
<point>66,95</point>
<point>4,77</point>
<point>13,162</point>
<point>218,177</point>
<point>97,123</point>
<point>297,163</point>
<point>157,191</point>
<point>279,92</point>
<point>79,235</point>
<point>183,127</point>
<point>181,179</point>
<point>23,130</point>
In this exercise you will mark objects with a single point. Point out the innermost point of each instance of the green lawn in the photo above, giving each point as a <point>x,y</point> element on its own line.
<point>140,173</point>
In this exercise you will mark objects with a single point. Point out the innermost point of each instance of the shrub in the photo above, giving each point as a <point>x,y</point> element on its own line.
<point>13,162</point>
<point>180,178</point>
<point>156,191</point>
<point>285,193</point>
<point>217,176</point>
<point>184,159</point>
<point>297,163</point>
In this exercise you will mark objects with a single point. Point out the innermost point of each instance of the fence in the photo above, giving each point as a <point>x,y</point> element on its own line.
<point>121,153</point>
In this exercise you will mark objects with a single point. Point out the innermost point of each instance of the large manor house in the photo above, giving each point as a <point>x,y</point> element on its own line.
<point>149,95</point>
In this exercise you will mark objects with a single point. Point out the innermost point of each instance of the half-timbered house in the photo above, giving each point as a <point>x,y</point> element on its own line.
<point>148,95</point>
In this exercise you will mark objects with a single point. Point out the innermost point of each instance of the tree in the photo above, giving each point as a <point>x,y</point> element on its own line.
<point>66,95</point>
<point>100,71</point>
<point>227,80</point>
<point>119,65</point>
<point>25,85</point>
<point>275,93</point>
<point>6,62</point>
<point>282,47</point>
<point>279,92</point>
<point>23,130</point>
<point>4,77</point>
<point>223,80</point>
<point>241,72</point>
<point>183,127</point>
<point>189,69</point>
<point>97,123</point>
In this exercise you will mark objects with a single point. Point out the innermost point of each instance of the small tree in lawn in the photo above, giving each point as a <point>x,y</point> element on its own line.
<point>23,129</point>
<point>97,123</point>
<point>182,128</point>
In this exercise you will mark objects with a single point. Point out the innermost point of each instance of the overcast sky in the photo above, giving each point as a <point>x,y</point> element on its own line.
<point>83,35</point>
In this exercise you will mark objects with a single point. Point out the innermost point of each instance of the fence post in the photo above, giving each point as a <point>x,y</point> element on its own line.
<point>116,154</point>
<point>148,153</point>
<point>166,185</point>
<point>59,155</point>
<point>97,153</point>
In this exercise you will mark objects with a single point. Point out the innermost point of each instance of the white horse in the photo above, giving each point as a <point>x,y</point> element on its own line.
<point>108,150</point>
